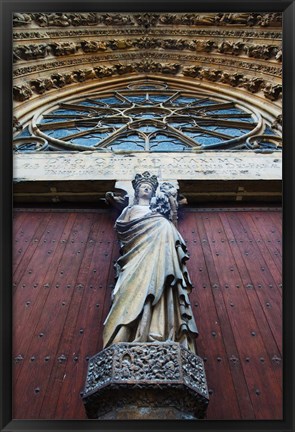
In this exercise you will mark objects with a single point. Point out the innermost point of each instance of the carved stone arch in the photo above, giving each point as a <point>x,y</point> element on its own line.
<point>268,108</point>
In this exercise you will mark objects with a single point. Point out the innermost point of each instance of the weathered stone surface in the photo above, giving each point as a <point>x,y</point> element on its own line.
<point>97,166</point>
<point>146,381</point>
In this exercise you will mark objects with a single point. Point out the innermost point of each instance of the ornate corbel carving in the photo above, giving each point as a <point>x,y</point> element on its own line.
<point>253,85</point>
<point>124,68</point>
<point>93,46</point>
<point>170,68</point>
<point>243,18</point>
<point>52,19</point>
<point>118,44</point>
<point>63,48</point>
<point>21,19</point>
<point>22,93</point>
<point>210,74</point>
<point>41,85</point>
<point>59,80</point>
<point>273,19</point>
<point>16,125</point>
<point>272,91</point>
<point>147,20</point>
<point>104,71</point>
<point>191,71</point>
<point>82,75</point>
<point>84,19</point>
<point>207,46</point>
<point>31,52</point>
<point>117,19</point>
<point>278,123</point>
<point>233,80</point>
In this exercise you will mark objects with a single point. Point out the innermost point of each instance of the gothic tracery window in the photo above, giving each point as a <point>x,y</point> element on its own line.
<point>147,116</point>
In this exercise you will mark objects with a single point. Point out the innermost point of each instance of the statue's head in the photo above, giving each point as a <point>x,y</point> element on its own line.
<point>141,180</point>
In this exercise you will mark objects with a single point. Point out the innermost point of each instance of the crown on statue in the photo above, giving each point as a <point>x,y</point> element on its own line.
<point>146,177</point>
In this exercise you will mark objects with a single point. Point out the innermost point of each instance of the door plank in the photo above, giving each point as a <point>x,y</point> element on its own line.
<point>84,330</point>
<point>26,242</point>
<point>38,295</point>
<point>238,308</point>
<point>212,321</point>
<point>50,325</point>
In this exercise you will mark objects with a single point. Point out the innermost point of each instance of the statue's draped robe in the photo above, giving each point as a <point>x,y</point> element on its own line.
<point>152,267</point>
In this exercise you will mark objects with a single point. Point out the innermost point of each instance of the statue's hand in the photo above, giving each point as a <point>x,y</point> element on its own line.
<point>116,200</point>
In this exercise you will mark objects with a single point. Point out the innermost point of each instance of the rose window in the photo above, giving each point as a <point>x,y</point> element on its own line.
<point>147,117</point>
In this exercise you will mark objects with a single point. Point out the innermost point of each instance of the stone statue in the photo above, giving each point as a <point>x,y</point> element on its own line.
<point>272,91</point>
<point>277,123</point>
<point>93,46</point>
<point>82,75</point>
<point>150,298</point>
<point>104,71</point>
<point>170,68</point>
<point>21,19</point>
<point>234,79</point>
<point>31,52</point>
<point>63,48</point>
<point>147,20</point>
<point>22,93</point>
<point>41,85</point>
<point>192,71</point>
<point>254,84</point>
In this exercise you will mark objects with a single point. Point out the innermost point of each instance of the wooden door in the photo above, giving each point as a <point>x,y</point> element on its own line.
<point>63,277</point>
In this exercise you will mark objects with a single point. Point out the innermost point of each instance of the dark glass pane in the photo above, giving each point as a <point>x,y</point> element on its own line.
<point>165,143</point>
<point>62,133</point>
<point>229,131</point>
<point>109,101</point>
<point>226,111</point>
<point>132,142</point>
<point>207,140</point>
<point>269,131</point>
<point>147,129</point>
<point>90,140</point>
<point>70,111</point>
<point>158,98</point>
<point>139,99</point>
<point>24,133</point>
<point>183,100</point>
<point>88,104</point>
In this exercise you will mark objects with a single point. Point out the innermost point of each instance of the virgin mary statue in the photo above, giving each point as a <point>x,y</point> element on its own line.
<point>150,298</point>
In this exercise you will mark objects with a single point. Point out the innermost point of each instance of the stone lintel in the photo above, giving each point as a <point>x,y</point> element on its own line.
<point>211,165</point>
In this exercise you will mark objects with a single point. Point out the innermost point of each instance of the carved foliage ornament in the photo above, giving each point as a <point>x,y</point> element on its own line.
<point>37,51</point>
<point>152,375</point>
<point>229,32</point>
<point>22,92</point>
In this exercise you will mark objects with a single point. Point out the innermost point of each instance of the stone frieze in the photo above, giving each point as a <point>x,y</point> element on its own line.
<point>212,165</point>
<point>187,32</point>
<point>25,91</point>
<point>270,69</point>
<point>146,20</point>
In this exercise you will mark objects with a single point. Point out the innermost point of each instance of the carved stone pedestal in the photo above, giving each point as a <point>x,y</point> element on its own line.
<point>129,381</point>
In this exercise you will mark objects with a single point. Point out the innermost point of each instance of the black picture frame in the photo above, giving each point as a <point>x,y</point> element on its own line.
<point>7,9</point>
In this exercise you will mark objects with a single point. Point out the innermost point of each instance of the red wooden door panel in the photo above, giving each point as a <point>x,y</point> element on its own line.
<point>223,243</point>
<point>63,278</point>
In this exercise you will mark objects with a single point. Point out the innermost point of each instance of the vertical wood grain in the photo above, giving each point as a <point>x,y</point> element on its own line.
<point>63,278</point>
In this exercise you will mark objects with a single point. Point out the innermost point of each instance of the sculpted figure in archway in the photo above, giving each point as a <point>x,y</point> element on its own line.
<point>150,298</point>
